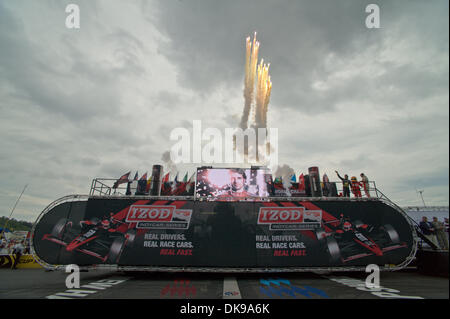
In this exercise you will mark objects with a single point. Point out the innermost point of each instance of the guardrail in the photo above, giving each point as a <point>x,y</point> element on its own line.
<point>424,243</point>
<point>421,236</point>
<point>427,208</point>
<point>104,187</point>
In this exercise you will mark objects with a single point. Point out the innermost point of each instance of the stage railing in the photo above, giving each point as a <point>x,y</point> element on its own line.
<point>105,187</point>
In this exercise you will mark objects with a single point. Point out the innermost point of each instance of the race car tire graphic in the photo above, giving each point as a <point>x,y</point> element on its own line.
<point>333,249</point>
<point>95,220</point>
<point>391,233</point>
<point>320,234</point>
<point>130,236</point>
<point>358,223</point>
<point>59,228</point>
<point>116,250</point>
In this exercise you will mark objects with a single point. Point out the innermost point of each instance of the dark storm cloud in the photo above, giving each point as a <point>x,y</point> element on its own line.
<point>62,97</point>
<point>207,38</point>
<point>127,50</point>
<point>38,81</point>
<point>69,81</point>
<point>206,43</point>
<point>103,100</point>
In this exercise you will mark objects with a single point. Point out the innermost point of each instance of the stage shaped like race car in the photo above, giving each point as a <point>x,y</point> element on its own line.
<point>234,222</point>
<point>345,240</point>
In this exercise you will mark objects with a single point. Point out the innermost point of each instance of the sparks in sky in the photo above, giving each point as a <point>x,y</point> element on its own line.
<point>256,105</point>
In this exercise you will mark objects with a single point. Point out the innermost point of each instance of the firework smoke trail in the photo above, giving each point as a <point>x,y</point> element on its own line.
<point>256,105</point>
<point>267,93</point>
<point>264,88</point>
<point>251,60</point>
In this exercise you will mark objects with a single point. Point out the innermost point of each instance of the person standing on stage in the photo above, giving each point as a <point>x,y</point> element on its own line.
<point>345,184</point>
<point>365,184</point>
<point>356,187</point>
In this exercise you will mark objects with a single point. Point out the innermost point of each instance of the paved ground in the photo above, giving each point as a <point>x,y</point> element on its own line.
<point>101,284</point>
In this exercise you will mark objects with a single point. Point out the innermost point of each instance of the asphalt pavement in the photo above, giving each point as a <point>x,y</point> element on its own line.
<point>103,284</point>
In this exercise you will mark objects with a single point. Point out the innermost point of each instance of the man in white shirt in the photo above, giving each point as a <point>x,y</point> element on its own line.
<point>18,251</point>
<point>365,183</point>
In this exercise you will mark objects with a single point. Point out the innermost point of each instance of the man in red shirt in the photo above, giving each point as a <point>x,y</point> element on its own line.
<point>237,185</point>
<point>238,179</point>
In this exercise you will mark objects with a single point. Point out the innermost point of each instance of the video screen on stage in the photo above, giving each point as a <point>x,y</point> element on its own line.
<point>233,182</point>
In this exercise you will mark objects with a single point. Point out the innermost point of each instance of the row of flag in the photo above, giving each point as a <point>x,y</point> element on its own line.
<point>125,178</point>
<point>292,179</point>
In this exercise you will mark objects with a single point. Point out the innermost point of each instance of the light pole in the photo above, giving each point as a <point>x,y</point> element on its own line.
<point>420,192</point>
<point>12,211</point>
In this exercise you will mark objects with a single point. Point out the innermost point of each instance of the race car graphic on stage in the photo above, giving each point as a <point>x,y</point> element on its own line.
<point>103,239</point>
<point>351,240</point>
<point>161,232</point>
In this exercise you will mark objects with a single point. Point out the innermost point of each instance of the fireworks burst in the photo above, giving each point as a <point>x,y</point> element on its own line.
<point>256,105</point>
<point>251,61</point>
<point>264,88</point>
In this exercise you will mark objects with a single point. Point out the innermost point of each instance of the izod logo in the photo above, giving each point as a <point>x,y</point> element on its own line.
<point>159,217</point>
<point>280,215</point>
<point>145,213</point>
<point>289,218</point>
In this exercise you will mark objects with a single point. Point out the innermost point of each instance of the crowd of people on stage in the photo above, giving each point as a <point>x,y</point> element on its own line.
<point>354,185</point>
<point>185,187</point>
<point>350,186</point>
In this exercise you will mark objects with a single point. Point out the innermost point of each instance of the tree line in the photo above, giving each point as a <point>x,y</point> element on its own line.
<point>14,224</point>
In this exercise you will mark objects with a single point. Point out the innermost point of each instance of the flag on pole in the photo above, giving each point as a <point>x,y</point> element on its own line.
<point>122,179</point>
<point>135,177</point>
<point>301,182</point>
<point>142,184</point>
<point>190,186</point>
<point>149,183</point>
<point>191,180</point>
<point>144,177</point>
<point>185,179</point>
<point>176,178</point>
<point>165,185</point>
<point>294,178</point>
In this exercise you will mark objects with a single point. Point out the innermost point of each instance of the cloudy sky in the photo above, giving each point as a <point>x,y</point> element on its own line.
<point>101,100</point>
